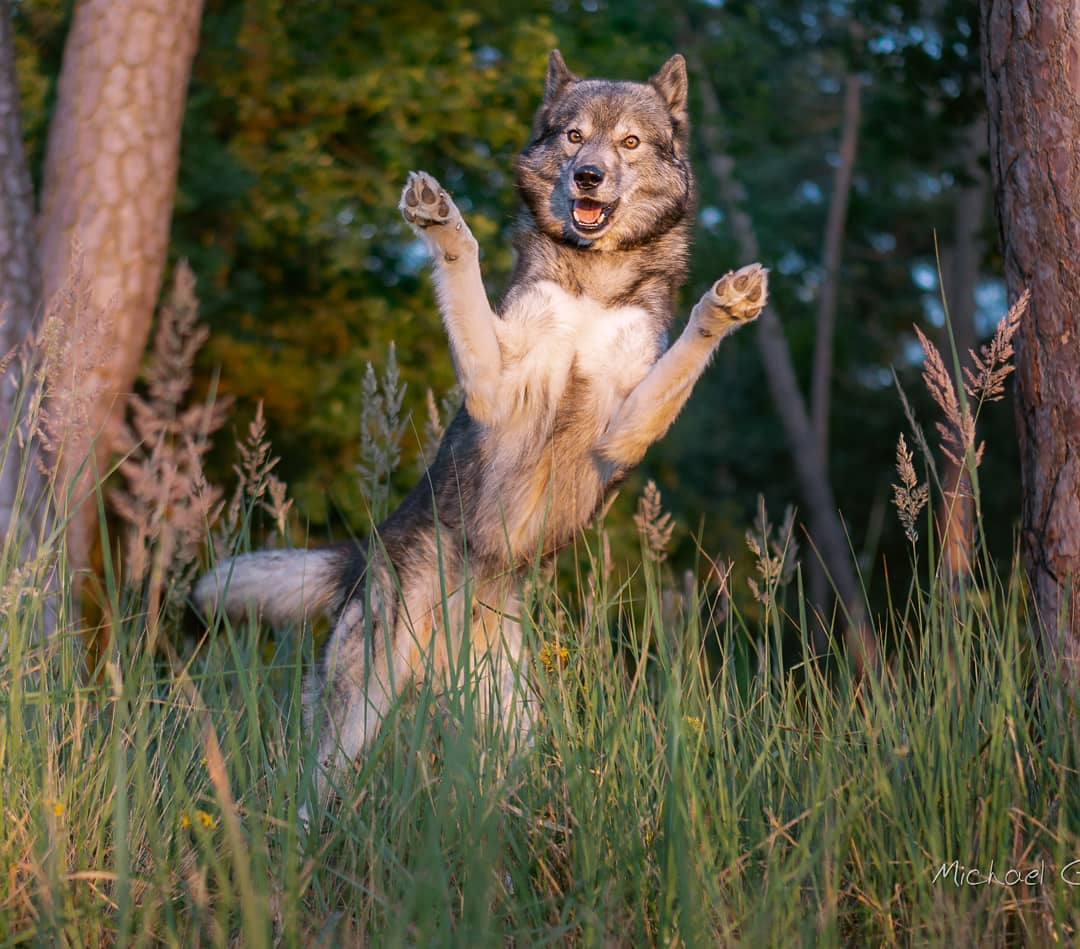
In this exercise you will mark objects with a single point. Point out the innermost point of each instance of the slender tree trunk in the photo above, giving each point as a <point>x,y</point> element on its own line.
<point>1031,70</point>
<point>826,529</point>
<point>109,181</point>
<point>22,507</point>
<point>836,220</point>
<point>821,378</point>
<point>960,262</point>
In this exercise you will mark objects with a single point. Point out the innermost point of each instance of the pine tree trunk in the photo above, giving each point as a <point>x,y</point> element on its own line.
<point>109,181</point>
<point>1031,64</point>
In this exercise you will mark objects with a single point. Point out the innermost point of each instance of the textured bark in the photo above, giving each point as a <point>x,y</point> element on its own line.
<point>826,529</point>
<point>1031,70</point>
<point>20,299</point>
<point>960,261</point>
<point>110,178</point>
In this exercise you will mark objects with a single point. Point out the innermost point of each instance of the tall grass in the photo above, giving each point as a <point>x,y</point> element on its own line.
<point>669,798</point>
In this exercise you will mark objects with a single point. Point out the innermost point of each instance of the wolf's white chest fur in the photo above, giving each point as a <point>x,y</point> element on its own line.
<point>547,336</point>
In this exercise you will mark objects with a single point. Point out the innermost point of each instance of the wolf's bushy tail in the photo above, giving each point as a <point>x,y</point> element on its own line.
<point>284,585</point>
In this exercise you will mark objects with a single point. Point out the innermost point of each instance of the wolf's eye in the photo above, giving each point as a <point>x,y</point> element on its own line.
<point>631,141</point>
<point>574,136</point>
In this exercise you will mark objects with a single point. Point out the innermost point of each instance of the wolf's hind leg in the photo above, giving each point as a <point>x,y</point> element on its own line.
<point>351,694</point>
<point>656,401</point>
<point>463,302</point>
<point>504,687</point>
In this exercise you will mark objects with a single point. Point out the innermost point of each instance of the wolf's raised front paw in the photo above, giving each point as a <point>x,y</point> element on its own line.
<point>435,217</point>
<point>737,297</point>
<point>742,293</point>
<point>423,201</point>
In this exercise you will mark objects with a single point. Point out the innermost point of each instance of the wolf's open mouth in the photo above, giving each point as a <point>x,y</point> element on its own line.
<point>591,215</point>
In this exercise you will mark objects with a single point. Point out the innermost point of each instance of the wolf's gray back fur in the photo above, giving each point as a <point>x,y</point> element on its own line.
<point>567,383</point>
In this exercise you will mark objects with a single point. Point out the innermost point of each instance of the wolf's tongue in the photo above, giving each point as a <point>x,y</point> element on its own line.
<point>587,211</point>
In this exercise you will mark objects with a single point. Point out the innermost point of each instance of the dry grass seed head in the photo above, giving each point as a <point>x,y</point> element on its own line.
<point>167,502</point>
<point>255,461</point>
<point>179,338</point>
<point>382,427</point>
<point>776,553</point>
<point>909,496</point>
<point>993,362</point>
<point>278,506</point>
<point>654,523</point>
<point>958,430</point>
<point>255,480</point>
<point>439,415</point>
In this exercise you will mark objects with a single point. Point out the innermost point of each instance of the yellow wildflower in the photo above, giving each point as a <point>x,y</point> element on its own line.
<point>552,655</point>
<point>58,808</point>
<point>694,724</point>
<point>208,820</point>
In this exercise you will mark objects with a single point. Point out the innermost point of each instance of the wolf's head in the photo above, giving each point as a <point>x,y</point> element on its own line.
<point>607,166</point>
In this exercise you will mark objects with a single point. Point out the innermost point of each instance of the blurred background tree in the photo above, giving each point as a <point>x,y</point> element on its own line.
<point>303,119</point>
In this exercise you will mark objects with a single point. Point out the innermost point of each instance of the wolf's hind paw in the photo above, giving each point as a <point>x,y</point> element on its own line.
<point>742,294</point>
<point>423,201</point>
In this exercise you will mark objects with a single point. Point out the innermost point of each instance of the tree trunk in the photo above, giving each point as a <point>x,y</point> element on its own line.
<point>821,377</point>
<point>960,262</point>
<point>109,181</point>
<point>1031,59</point>
<point>826,528</point>
<point>22,508</point>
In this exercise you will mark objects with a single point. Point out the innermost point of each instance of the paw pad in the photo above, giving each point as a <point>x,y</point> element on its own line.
<point>423,202</point>
<point>742,293</point>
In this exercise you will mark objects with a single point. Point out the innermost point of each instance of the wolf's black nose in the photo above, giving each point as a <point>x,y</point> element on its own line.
<point>588,177</point>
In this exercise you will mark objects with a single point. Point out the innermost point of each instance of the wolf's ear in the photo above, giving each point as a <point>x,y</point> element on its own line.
<point>671,83</point>
<point>558,76</point>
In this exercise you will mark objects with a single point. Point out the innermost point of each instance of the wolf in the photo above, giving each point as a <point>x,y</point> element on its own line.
<point>567,382</point>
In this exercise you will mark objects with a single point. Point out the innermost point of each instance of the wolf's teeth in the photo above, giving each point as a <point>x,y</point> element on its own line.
<point>590,216</point>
